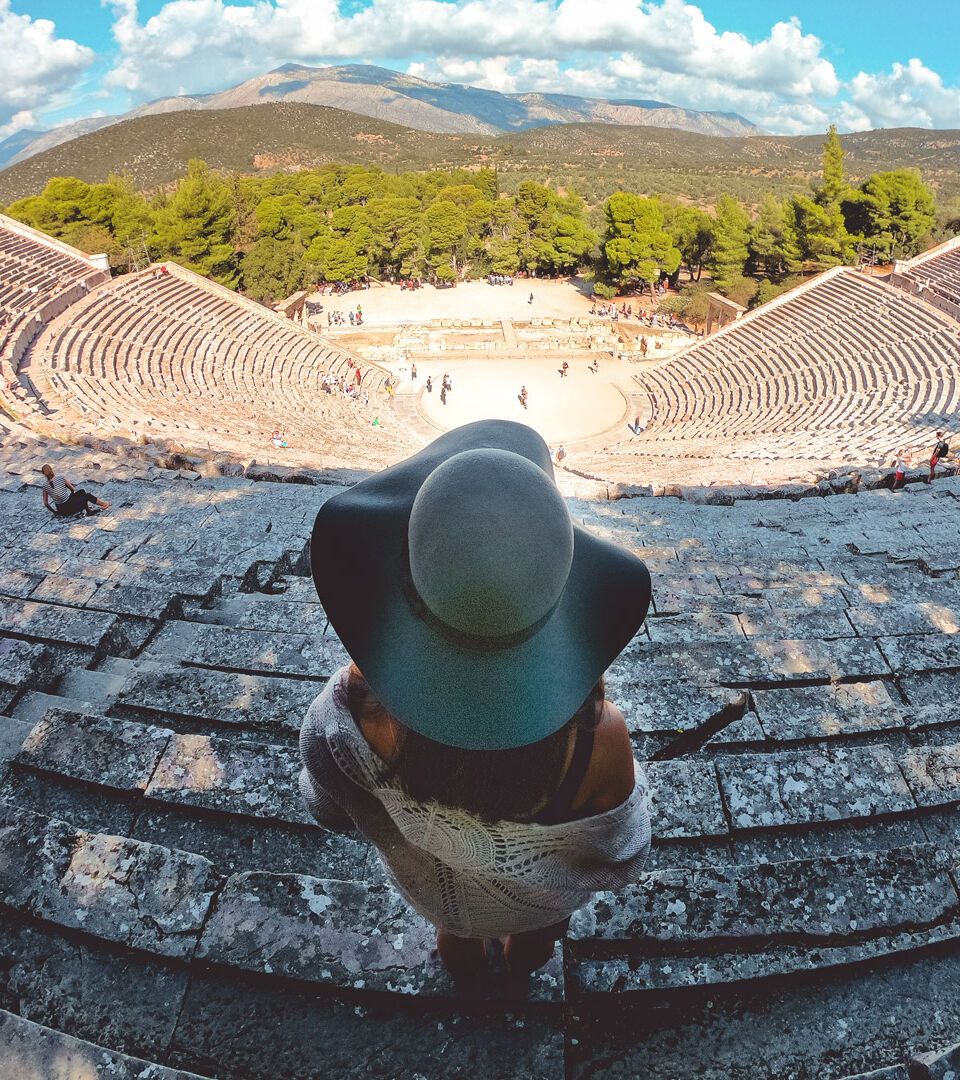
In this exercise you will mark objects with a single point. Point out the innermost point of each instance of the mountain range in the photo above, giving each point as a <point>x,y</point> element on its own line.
<point>445,108</point>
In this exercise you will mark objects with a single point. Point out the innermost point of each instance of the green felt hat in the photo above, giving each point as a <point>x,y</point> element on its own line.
<point>479,614</point>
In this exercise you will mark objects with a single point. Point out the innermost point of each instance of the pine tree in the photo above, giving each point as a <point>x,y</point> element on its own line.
<point>833,186</point>
<point>829,243</point>
<point>636,247</point>
<point>731,236</point>
<point>774,246</point>
<point>195,226</point>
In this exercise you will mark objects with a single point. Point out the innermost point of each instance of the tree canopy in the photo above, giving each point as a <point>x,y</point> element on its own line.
<point>272,234</point>
<point>636,246</point>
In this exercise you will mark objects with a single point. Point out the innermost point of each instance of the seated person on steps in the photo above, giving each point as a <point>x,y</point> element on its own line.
<point>67,499</point>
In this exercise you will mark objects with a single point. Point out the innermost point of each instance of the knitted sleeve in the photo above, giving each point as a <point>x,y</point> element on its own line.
<point>317,799</point>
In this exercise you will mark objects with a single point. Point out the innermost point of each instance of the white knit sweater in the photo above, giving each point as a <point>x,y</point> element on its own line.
<point>465,875</point>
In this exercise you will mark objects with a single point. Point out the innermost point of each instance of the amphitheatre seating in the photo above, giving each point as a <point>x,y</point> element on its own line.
<point>39,278</point>
<point>934,276</point>
<point>165,897</point>
<point>174,356</point>
<point>844,369</point>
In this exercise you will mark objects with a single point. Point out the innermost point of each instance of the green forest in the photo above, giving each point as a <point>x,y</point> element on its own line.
<point>271,235</point>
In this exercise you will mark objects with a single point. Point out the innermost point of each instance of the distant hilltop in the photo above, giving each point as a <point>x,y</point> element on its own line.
<point>446,108</point>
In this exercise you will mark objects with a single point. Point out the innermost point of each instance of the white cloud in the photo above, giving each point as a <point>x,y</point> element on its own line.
<point>910,96</point>
<point>36,65</point>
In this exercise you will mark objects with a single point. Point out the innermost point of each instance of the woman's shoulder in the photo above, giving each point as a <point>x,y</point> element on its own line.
<point>610,776</point>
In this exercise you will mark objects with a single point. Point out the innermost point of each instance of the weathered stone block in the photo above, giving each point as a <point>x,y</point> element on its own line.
<point>335,932</point>
<point>936,1064</point>
<point>685,799</point>
<point>50,622</point>
<point>768,791</point>
<point>20,661</point>
<point>817,899</point>
<point>221,697</point>
<point>112,753</point>
<point>137,894</point>
<point>933,773</point>
<point>29,1051</point>
<point>671,709</point>
<point>35,853</point>
<point>251,651</point>
<point>824,712</point>
<point>253,780</point>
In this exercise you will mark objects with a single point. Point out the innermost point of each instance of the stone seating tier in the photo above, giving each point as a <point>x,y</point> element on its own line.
<point>39,278</point>
<point>172,356</point>
<point>166,898</point>
<point>844,370</point>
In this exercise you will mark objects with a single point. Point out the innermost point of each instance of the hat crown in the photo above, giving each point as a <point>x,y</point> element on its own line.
<point>490,543</point>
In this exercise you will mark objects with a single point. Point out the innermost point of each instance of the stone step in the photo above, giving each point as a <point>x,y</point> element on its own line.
<point>335,933</point>
<point>34,704</point>
<point>31,1051</point>
<point>221,702</point>
<point>754,662</point>
<point>802,788</point>
<point>680,928</point>
<point>228,777</point>
<point>936,1064</point>
<point>113,754</point>
<point>267,1028</point>
<point>236,804</point>
<point>97,687</point>
<point>273,615</point>
<point>247,651</point>
<point>22,664</point>
<point>810,713</point>
<point>12,734</point>
<point>825,1025</point>
<point>144,896</point>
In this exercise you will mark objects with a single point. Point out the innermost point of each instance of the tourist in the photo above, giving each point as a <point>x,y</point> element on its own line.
<point>530,299</point>
<point>67,499</point>
<point>900,463</point>
<point>429,384</point>
<point>643,346</point>
<point>279,440</point>
<point>940,451</point>
<point>497,783</point>
<point>560,455</point>
<point>523,396</point>
<point>564,369</point>
<point>358,376</point>
<point>443,394</point>
<point>413,372</point>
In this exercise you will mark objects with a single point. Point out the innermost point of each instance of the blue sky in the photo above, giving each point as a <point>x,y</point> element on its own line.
<point>789,66</point>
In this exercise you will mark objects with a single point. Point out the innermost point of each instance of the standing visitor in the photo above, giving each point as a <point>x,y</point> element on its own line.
<point>496,782</point>
<point>900,463</point>
<point>443,394</point>
<point>530,299</point>
<point>413,372</point>
<point>940,451</point>
<point>561,454</point>
<point>429,384</point>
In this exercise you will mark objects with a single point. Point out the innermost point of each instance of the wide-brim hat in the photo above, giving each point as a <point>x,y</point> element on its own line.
<point>480,615</point>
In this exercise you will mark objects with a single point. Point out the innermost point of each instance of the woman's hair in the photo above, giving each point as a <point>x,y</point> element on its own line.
<point>47,471</point>
<point>496,785</point>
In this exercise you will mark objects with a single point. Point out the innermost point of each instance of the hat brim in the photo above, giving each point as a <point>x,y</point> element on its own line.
<point>452,693</point>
